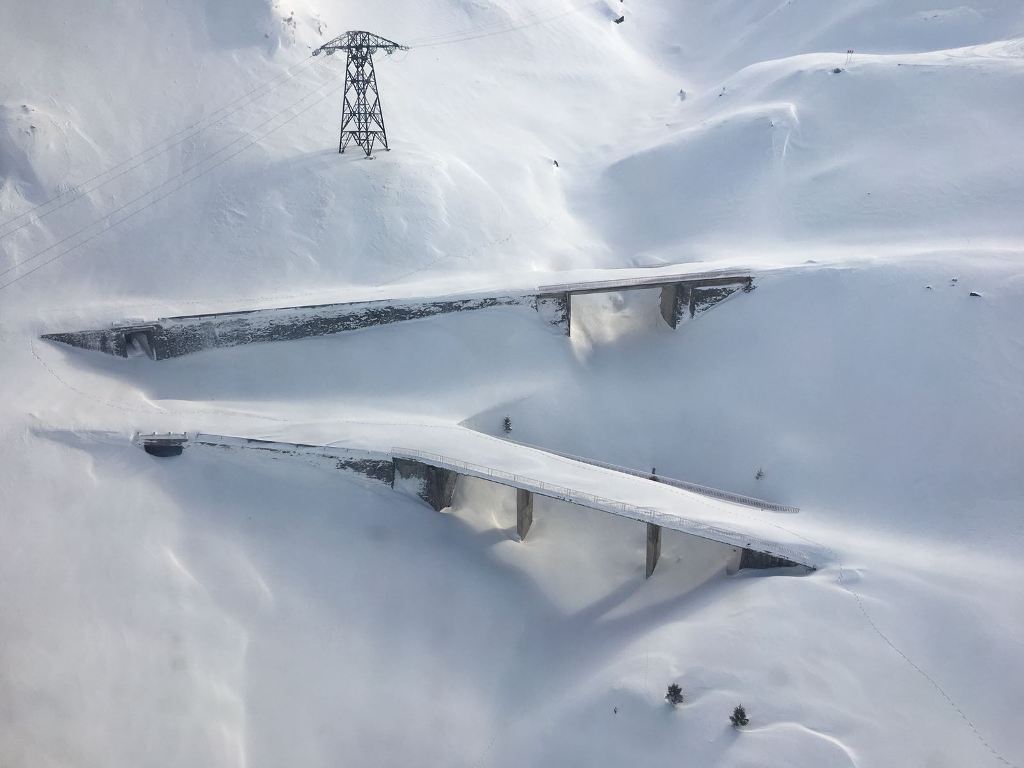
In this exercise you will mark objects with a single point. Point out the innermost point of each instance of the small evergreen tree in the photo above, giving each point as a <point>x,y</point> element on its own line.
<point>674,695</point>
<point>738,717</point>
<point>507,425</point>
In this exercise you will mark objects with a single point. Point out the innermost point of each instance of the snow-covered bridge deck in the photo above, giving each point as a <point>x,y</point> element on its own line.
<point>430,459</point>
<point>632,281</point>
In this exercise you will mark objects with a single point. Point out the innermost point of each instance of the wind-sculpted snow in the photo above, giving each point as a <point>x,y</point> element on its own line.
<point>250,606</point>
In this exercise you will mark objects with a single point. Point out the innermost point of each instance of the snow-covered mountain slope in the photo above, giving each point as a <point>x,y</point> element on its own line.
<point>795,152</point>
<point>225,609</point>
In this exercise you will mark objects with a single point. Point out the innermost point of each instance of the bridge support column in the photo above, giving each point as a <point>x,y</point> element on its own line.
<point>524,512</point>
<point>676,300</point>
<point>444,487</point>
<point>653,547</point>
<point>556,308</point>
<point>434,485</point>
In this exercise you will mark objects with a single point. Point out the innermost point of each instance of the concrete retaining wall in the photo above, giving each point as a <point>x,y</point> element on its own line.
<point>374,465</point>
<point>176,336</point>
<point>168,337</point>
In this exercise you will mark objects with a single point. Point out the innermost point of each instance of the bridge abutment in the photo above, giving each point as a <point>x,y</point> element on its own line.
<point>434,485</point>
<point>743,559</point>
<point>676,300</point>
<point>556,308</point>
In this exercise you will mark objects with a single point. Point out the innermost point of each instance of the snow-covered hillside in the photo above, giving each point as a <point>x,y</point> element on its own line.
<point>227,609</point>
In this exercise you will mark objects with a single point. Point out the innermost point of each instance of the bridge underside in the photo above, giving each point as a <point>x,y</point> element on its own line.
<point>680,299</point>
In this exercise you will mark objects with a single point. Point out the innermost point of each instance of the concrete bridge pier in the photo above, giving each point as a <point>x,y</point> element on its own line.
<point>524,512</point>
<point>676,301</point>
<point>556,308</point>
<point>434,485</point>
<point>653,547</point>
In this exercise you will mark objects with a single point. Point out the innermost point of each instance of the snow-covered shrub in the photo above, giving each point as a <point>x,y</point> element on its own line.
<point>674,695</point>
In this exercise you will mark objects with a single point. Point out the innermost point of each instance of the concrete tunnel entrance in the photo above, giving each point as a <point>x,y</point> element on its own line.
<point>138,342</point>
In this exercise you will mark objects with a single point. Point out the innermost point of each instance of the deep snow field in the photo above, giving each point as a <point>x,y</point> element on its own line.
<point>229,609</point>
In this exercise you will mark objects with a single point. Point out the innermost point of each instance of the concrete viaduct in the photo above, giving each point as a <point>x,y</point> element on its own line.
<point>435,478</point>
<point>683,295</point>
<point>743,523</point>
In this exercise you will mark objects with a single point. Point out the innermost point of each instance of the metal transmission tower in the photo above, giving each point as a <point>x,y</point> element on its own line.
<point>361,118</point>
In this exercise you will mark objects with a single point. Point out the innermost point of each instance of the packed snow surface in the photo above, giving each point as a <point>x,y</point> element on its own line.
<point>226,608</point>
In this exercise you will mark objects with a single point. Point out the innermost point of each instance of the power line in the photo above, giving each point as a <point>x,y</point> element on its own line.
<point>164,183</point>
<point>268,87</point>
<point>167,194</point>
<point>497,29</point>
<point>429,42</point>
<point>538,16</point>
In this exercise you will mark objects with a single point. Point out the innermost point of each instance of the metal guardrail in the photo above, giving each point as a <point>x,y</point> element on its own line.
<point>161,437</point>
<point>632,511</point>
<point>636,282</point>
<point>703,490</point>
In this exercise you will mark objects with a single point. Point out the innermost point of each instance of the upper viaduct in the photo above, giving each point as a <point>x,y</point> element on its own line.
<point>683,295</point>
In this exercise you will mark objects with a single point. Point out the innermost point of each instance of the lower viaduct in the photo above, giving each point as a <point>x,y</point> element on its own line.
<point>743,523</point>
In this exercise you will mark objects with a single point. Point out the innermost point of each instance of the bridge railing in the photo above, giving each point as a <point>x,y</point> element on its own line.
<point>624,509</point>
<point>645,280</point>
<point>703,490</point>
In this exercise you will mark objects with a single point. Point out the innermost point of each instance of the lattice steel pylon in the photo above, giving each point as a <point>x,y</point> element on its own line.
<point>362,120</point>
